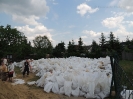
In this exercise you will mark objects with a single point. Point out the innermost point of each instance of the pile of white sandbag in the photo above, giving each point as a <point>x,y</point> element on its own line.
<point>74,76</point>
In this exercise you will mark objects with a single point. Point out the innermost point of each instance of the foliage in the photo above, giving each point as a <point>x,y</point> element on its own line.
<point>13,42</point>
<point>59,50</point>
<point>102,42</point>
<point>71,49</point>
<point>95,51</point>
<point>42,46</point>
<point>80,46</point>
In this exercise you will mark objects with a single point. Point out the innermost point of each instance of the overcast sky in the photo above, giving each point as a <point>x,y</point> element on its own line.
<point>64,20</point>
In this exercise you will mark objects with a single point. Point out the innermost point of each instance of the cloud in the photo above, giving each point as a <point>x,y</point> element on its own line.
<point>84,37</point>
<point>31,33</point>
<point>131,23</point>
<point>124,14</point>
<point>113,2</point>
<point>126,4</point>
<point>113,22</point>
<point>24,7</point>
<point>25,11</point>
<point>84,8</point>
<point>30,20</point>
<point>91,35</point>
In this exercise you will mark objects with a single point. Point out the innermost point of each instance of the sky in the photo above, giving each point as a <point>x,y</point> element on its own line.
<point>67,20</point>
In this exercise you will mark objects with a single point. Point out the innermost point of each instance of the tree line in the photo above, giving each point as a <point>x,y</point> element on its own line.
<point>16,43</point>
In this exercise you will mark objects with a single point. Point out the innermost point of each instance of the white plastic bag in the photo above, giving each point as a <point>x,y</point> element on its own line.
<point>55,88</point>
<point>67,88</point>
<point>75,92</point>
<point>62,91</point>
<point>48,87</point>
<point>60,80</point>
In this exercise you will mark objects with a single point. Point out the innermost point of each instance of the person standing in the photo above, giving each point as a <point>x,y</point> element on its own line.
<point>26,68</point>
<point>10,71</point>
<point>5,61</point>
<point>4,72</point>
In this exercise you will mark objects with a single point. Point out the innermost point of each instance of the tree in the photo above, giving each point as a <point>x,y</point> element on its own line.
<point>95,51</point>
<point>72,49</point>
<point>80,45</point>
<point>111,41</point>
<point>42,45</point>
<point>114,44</point>
<point>59,50</point>
<point>11,42</point>
<point>102,42</point>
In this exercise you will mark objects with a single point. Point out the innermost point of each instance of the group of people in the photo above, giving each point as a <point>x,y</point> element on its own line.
<point>6,70</point>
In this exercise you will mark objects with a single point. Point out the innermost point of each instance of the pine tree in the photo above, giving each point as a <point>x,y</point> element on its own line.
<point>103,42</point>
<point>80,45</point>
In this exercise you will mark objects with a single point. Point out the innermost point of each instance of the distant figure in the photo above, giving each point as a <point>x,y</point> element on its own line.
<point>10,71</point>
<point>31,63</point>
<point>4,72</point>
<point>5,61</point>
<point>26,68</point>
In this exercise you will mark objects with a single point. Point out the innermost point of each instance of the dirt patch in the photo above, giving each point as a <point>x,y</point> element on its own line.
<point>24,91</point>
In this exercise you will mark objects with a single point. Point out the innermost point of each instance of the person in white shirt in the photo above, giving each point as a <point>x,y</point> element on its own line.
<point>11,71</point>
<point>5,61</point>
<point>31,63</point>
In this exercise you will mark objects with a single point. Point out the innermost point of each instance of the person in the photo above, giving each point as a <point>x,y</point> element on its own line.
<point>5,61</point>
<point>26,68</point>
<point>4,72</point>
<point>31,64</point>
<point>10,71</point>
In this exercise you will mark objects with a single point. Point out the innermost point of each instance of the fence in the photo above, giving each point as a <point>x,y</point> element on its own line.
<point>127,56</point>
<point>121,83</point>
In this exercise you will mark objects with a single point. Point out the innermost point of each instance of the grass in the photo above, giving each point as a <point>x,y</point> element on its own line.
<point>128,67</point>
<point>17,70</point>
<point>35,78</point>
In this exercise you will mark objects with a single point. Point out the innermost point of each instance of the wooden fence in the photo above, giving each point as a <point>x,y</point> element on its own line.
<point>127,56</point>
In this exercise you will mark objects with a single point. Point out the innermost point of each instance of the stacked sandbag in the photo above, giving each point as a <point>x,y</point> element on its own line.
<point>74,76</point>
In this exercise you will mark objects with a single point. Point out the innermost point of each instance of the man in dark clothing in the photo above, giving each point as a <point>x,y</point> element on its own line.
<point>26,68</point>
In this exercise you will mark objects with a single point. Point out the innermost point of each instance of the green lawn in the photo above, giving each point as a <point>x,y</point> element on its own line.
<point>128,67</point>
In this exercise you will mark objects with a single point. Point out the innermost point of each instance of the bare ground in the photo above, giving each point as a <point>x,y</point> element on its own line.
<point>24,91</point>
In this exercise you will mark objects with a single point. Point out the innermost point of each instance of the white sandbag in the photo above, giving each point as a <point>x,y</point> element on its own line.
<point>127,94</point>
<point>51,78</point>
<point>84,88</point>
<point>31,83</point>
<point>88,95</point>
<point>67,88</point>
<point>62,91</point>
<point>60,80</point>
<point>48,87</point>
<point>97,89</point>
<point>75,83</point>
<point>101,95</point>
<point>18,81</point>
<point>75,92</point>
<point>68,77</point>
<point>55,88</point>
<point>105,85</point>
<point>81,93</point>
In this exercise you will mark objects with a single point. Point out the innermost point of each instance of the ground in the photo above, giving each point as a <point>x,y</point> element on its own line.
<point>24,91</point>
